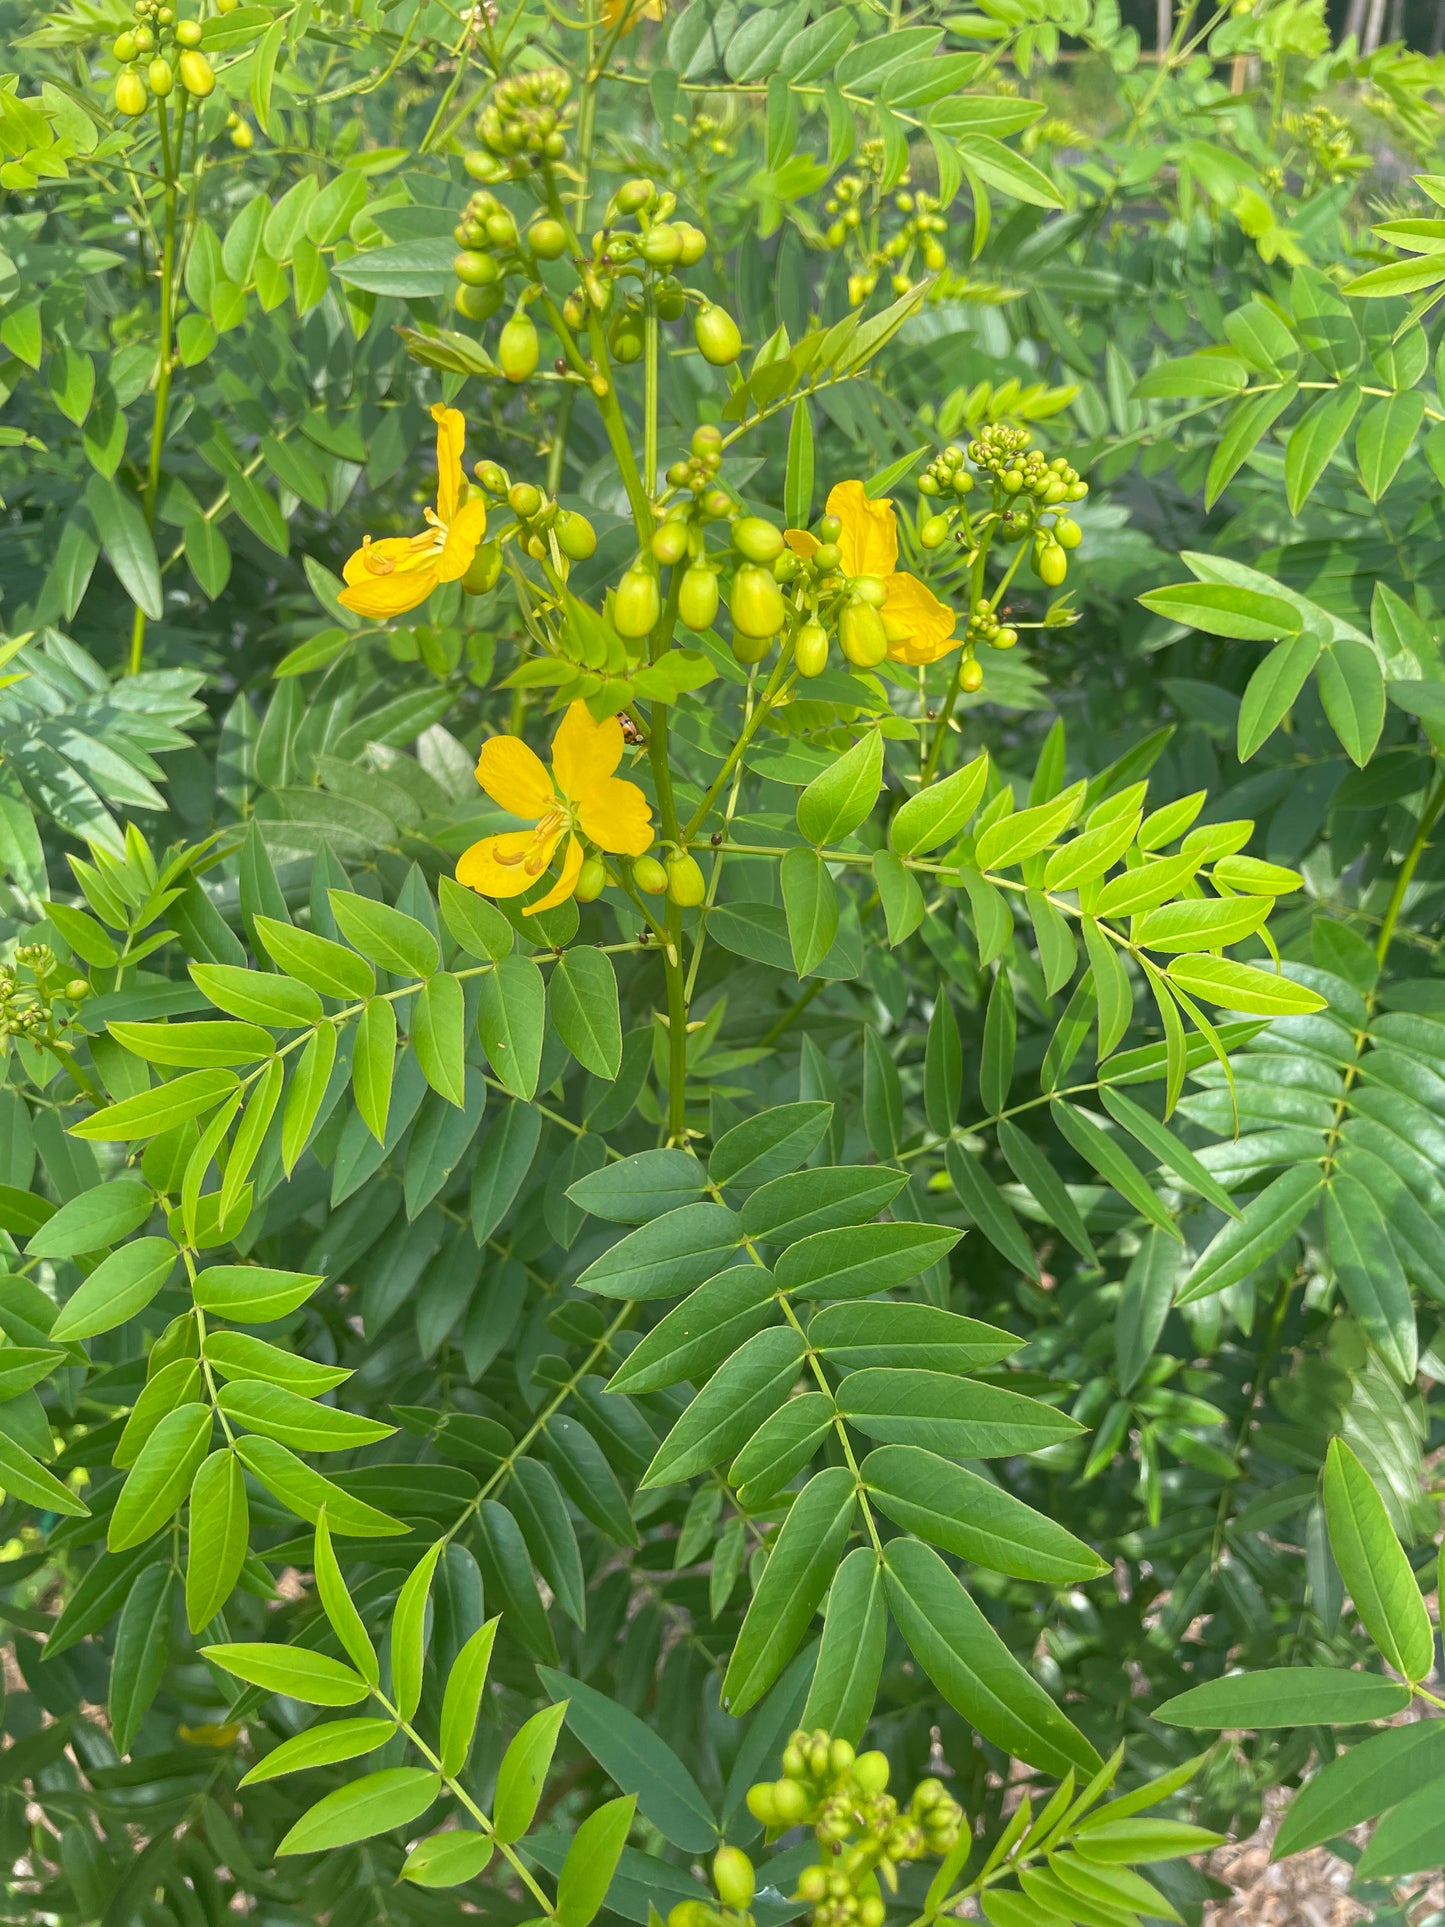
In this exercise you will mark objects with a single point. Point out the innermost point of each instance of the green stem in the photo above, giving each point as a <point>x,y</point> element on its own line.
<point>164,351</point>
<point>1429,816</point>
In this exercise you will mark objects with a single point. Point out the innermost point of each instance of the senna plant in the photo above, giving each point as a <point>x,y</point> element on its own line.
<point>614,1168</point>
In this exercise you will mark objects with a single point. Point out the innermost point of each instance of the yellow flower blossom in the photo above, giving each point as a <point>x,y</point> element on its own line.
<point>582,794</point>
<point>636,11</point>
<point>388,577</point>
<point>919,627</point>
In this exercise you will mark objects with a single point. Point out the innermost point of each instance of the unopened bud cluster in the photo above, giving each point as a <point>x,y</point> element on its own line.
<point>158,51</point>
<point>527,118</point>
<point>542,529</point>
<point>26,1006</point>
<point>913,246</point>
<point>1028,492</point>
<point>863,1833</point>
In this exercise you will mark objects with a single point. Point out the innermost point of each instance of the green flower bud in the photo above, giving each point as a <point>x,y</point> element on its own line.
<point>1004,638</point>
<point>827,528</point>
<point>694,243</point>
<point>717,335</point>
<point>661,246</point>
<point>870,1772</point>
<point>716,503</point>
<point>760,1803</point>
<point>1067,532</point>
<point>483,570</point>
<point>591,880</point>
<point>649,875</point>
<point>970,676</point>
<point>861,635</point>
<point>501,229</point>
<point>524,499</point>
<point>934,531</point>
<point>669,542</point>
<point>756,604</point>
<point>687,886</point>
<point>810,649</point>
<point>706,441</point>
<point>1012,481</point>
<point>493,477</point>
<point>757,540</point>
<point>1052,565</point>
<point>671,298</point>
<point>77,990</point>
<point>198,77</point>
<point>827,557</point>
<point>795,1761</point>
<point>637,603</point>
<point>130,93</point>
<point>576,537</point>
<point>518,349</point>
<point>189,33</point>
<point>547,239</point>
<point>125,49</point>
<point>732,1871</point>
<point>633,196</point>
<point>159,77</point>
<point>477,304</point>
<point>790,1803</point>
<point>697,597</point>
<point>870,589</point>
<point>474,269</point>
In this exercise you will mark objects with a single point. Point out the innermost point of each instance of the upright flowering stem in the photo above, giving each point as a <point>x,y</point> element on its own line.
<point>165,348</point>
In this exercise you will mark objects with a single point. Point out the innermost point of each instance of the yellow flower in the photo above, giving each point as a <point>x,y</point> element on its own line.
<point>581,794</point>
<point>209,1734</point>
<point>919,627</point>
<point>388,577</point>
<point>636,11</point>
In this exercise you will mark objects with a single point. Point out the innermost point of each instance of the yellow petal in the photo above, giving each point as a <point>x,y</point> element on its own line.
<point>451,438</point>
<point>514,777</point>
<point>919,627</point>
<point>869,541</point>
<point>801,542</point>
<point>507,865</point>
<point>389,590</point>
<point>464,535</point>
<point>615,814</point>
<point>566,883</point>
<point>584,752</point>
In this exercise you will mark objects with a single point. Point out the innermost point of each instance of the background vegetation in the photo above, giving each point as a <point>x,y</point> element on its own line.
<point>1029,1065</point>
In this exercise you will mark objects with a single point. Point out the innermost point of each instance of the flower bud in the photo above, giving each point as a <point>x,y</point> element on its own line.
<point>670,298</point>
<point>591,880</point>
<point>706,441</point>
<point>970,676</point>
<point>524,499</point>
<point>576,537</point>
<point>934,531</point>
<point>827,528</point>
<point>188,33</point>
<point>242,137</point>
<point>694,243</point>
<point>626,338</point>
<point>547,239</point>
<point>77,990</point>
<point>871,1911</point>
<point>633,196</point>
<point>1052,565</point>
<point>125,49</point>
<point>813,1884</point>
<point>130,92</point>
<point>493,477</point>
<point>159,77</point>
<point>637,603</point>
<point>144,39</point>
<point>697,598</point>
<point>1067,532</point>
<point>669,542</point>
<point>686,886</point>
<point>661,246</point>
<point>649,875</point>
<point>785,567</point>
<point>870,1771</point>
<point>475,269</point>
<point>760,1803</point>
<point>827,557</point>
<point>841,1757</point>
<point>750,649</point>
<point>810,649</point>
<point>732,1871</point>
<point>870,589</point>
<point>477,304</point>
<point>1012,481</point>
<point>790,1803</point>
<point>501,229</point>
<point>757,540</point>
<point>717,503</point>
<point>756,604</point>
<point>518,349</point>
<point>483,570</point>
<point>717,335</point>
<point>198,77</point>
<point>795,1761</point>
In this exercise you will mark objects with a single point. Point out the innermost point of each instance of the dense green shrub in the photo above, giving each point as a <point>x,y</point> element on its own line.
<point>876,1224</point>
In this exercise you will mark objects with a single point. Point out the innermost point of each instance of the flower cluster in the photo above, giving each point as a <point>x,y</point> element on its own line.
<point>863,1833</point>
<point>857,209</point>
<point>26,1007</point>
<point>170,50</point>
<point>526,120</point>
